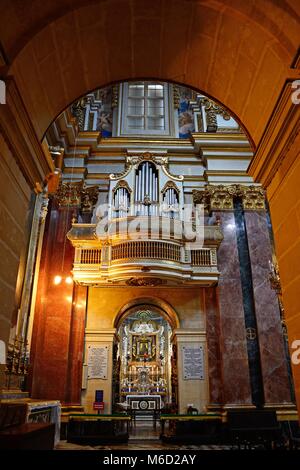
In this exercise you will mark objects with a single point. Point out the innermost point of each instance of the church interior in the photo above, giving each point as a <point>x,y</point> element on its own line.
<point>149,224</point>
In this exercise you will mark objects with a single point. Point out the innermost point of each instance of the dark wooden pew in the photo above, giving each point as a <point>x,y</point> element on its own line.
<point>97,429</point>
<point>253,427</point>
<point>16,434</point>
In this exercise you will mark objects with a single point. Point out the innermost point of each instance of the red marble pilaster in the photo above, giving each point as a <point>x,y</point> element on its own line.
<point>213,347</point>
<point>56,317</point>
<point>76,345</point>
<point>235,369</point>
<point>272,354</point>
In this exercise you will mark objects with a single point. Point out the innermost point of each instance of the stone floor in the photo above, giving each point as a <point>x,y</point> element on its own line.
<point>143,436</point>
<point>139,445</point>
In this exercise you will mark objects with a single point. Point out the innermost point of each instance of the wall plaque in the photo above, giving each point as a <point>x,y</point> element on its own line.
<point>97,362</point>
<point>193,362</point>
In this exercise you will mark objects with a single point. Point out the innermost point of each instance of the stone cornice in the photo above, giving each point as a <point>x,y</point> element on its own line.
<point>282,130</point>
<point>21,138</point>
<point>220,197</point>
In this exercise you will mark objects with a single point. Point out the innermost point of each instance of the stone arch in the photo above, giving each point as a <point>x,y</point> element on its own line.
<point>160,305</point>
<point>60,52</point>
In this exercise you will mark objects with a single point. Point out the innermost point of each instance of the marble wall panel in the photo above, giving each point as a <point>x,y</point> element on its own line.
<point>273,361</point>
<point>213,347</point>
<point>58,331</point>
<point>235,369</point>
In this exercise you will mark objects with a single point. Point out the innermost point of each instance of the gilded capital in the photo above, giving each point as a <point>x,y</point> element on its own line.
<point>253,197</point>
<point>215,197</point>
<point>76,195</point>
<point>220,197</point>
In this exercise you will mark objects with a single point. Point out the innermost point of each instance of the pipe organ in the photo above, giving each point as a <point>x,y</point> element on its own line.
<point>149,198</point>
<point>154,189</point>
<point>121,201</point>
<point>146,189</point>
<point>171,202</point>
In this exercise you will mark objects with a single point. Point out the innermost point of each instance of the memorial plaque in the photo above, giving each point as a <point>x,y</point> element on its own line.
<point>97,362</point>
<point>193,362</point>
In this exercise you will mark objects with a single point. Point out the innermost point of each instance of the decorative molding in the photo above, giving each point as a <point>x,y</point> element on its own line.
<point>214,197</point>
<point>89,197</point>
<point>220,197</point>
<point>145,281</point>
<point>19,134</point>
<point>122,184</point>
<point>115,96</point>
<point>211,110</point>
<point>78,111</point>
<point>169,185</point>
<point>176,96</point>
<point>296,61</point>
<point>44,207</point>
<point>68,194</point>
<point>135,160</point>
<point>77,195</point>
<point>278,138</point>
<point>253,197</point>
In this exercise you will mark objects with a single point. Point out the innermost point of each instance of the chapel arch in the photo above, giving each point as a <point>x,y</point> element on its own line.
<point>159,305</point>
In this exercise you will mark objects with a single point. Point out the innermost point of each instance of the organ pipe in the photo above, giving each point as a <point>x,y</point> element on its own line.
<point>147,178</point>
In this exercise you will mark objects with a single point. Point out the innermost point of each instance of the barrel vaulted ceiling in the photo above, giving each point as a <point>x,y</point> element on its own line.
<point>238,52</point>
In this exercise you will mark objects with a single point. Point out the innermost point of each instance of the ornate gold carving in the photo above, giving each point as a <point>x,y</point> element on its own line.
<point>68,194</point>
<point>147,200</point>
<point>211,110</point>
<point>89,197</point>
<point>253,197</point>
<point>144,282</point>
<point>122,184</point>
<point>274,277</point>
<point>169,185</point>
<point>220,197</point>
<point>176,96</point>
<point>132,160</point>
<point>115,96</point>
<point>76,195</point>
<point>78,110</point>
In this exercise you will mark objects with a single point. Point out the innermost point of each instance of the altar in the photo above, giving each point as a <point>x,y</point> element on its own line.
<point>141,403</point>
<point>144,353</point>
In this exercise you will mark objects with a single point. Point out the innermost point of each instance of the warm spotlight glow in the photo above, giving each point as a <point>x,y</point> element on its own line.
<point>69,298</point>
<point>69,280</point>
<point>57,280</point>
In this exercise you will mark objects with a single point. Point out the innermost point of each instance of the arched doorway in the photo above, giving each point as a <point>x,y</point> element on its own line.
<point>144,371</point>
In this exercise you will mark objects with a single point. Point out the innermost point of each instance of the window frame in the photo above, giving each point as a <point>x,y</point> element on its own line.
<point>125,130</point>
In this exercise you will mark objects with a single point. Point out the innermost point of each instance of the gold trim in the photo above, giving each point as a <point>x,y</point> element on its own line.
<point>220,197</point>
